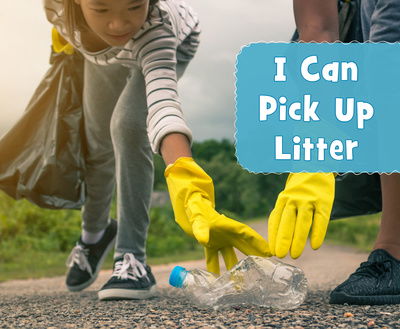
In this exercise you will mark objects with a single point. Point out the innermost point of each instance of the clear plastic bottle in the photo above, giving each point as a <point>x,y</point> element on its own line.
<point>254,280</point>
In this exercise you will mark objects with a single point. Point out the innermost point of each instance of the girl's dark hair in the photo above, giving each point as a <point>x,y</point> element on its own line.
<point>74,20</point>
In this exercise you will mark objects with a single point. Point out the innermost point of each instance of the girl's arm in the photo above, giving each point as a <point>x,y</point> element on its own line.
<point>174,146</point>
<point>317,20</point>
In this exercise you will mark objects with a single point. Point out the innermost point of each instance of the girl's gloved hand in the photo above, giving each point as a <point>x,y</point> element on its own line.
<point>192,196</point>
<point>60,45</point>
<point>304,204</point>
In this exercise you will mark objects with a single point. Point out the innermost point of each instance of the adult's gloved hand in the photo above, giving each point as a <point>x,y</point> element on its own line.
<point>192,196</point>
<point>60,45</point>
<point>304,204</point>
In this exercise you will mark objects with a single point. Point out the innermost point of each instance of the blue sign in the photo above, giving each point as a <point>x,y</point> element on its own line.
<point>318,107</point>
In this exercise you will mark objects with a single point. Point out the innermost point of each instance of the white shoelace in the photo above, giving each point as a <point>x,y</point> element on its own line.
<point>129,268</point>
<point>78,256</point>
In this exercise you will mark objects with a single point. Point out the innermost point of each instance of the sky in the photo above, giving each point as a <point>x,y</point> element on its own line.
<point>207,88</point>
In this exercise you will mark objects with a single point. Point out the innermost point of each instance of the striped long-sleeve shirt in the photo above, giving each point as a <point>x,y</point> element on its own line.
<point>170,34</point>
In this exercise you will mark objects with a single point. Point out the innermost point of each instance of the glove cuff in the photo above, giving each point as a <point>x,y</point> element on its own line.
<point>305,174</point>
<point>180,162</point>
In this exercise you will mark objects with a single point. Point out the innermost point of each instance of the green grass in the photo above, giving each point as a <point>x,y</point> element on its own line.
<point>34,264</point>
<point>35,242</point>
<point>38,264</point>
<point>359,232</point>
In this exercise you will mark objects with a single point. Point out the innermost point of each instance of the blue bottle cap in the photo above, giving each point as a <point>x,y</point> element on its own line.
<point>177,276</point>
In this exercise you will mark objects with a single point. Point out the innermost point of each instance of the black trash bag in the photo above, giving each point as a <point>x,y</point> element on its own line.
<point>357,194</point>
<point>42,156</point>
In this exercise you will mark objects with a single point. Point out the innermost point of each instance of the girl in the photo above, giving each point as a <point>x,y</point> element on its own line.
<point>135,51</point>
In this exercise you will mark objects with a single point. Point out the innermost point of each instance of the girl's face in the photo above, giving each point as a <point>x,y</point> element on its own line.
<point>114,21</point>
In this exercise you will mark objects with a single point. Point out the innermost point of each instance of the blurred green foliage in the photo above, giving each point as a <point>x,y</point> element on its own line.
<point>165,236</point>
<point>360,231</point>
<point>24,226</point>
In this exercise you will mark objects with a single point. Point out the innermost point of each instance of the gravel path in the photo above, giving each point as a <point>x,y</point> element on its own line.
<point>45,303</point>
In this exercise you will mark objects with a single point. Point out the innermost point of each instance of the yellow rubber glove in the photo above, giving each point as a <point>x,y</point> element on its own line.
<point>192,196</point>
<point>60,45</point>
<point>304,204</point>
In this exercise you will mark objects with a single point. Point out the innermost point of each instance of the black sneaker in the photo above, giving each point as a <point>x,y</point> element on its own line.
<point>130,280</point>
<point>375,282</point>
<point>85,260</point>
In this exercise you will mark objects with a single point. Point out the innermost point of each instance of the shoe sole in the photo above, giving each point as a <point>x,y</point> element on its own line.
<point>118,294</point>
<point>96,274</point>
<point>343,298</point>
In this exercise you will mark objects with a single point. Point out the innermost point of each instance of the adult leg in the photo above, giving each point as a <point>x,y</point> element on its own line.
<point>389,232</point>
<point>382,17</point>
<point>376,281</point>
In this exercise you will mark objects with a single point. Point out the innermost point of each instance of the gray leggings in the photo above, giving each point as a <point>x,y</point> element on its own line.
<point>119,152</point>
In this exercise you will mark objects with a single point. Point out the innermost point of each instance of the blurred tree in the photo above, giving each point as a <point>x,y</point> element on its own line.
<point>208,149</point>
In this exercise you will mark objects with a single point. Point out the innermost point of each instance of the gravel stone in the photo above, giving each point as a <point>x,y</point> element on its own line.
<point>169,310</point>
